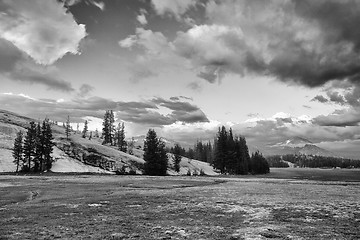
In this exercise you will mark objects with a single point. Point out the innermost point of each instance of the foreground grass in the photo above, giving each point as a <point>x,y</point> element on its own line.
<point>138,207</point>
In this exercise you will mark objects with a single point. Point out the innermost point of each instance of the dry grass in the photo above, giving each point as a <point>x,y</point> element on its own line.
<point>139,207</point>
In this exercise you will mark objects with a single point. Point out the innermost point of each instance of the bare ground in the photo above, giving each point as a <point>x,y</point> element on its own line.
<point>139,207</point>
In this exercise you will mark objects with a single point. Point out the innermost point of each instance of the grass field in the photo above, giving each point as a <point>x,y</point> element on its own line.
<point>282,205</point>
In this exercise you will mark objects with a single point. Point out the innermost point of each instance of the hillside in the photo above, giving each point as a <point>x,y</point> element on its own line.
<point>82,155</point>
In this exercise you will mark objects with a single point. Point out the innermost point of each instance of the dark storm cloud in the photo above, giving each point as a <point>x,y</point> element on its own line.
<point>190,117</point>
<point>336,98</point>
<point>178,98</point>
<point>17,67</point>
<point>9,56</point>
<point>320,98</point>
<point>33,76</point>
<point>135,112</point>
<point>339,19</point>
<point>346,119</point>
<point>338,33</point>
<point>353,97</point>
<point>175,105</point>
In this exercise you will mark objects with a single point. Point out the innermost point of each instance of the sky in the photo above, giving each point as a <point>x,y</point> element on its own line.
<point>270,70</point>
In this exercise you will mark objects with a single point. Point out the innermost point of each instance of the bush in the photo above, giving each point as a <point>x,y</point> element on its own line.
<point>202,173</point>
<point>188,172</point>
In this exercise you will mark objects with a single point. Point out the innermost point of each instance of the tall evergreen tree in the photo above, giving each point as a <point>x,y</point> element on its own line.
<point>29,145</point>
<point>18,150</point>
<point>120,137</point>
<point>106,133</point>
<point>131,146</point>
<point>39,149</point>
<point>67,127</point>
<point>84,131</point>
<point>48,146</point>
<point>258,163</point>
<point>111,127</point>
<point>155,157</point>
<point>177,157</point>
<point>220,159</point>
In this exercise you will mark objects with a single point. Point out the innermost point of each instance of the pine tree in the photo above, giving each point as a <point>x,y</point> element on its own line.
<point>29,145</point>
<point>258,163</point>
<point>67,127</point>
<point>120,137</point>
<point>131,146</point>
<point>84,132</point>
<point>90,135</point>
<point>18,150</point>
<point>111,127</point>
<point>221,155</point>
<point>39,149</point>
<point>154,155</point>
<point>106,134</point>
<point>48,145</point>
<point>177,157</point>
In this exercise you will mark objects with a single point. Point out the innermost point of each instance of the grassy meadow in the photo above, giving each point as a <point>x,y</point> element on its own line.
<point>286,204</point>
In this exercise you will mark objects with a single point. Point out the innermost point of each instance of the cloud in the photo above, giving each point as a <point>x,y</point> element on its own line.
<point>336,98</point>
<point>182,111</point>
<point>43,30</point>
<point>195,86</point>
<point>143,112</point>
<point>141,17</point>
<point>179,97</point>
<point>33,74</point>
<point>174,8</point>
<point>98,4</point>
<point>320,98</point>
<point>343,118</point>
<point>216,49</point>
<point>14,65</point>
<point>128,42</point>
<point>84,90</point>
<point>140,71</point>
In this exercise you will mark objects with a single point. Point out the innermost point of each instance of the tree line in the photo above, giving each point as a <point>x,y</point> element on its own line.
<point>32,150</point>
<point>311,161</point>
<point>229,154</point>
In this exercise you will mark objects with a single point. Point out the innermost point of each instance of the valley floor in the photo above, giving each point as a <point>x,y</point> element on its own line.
<point>141,207</point>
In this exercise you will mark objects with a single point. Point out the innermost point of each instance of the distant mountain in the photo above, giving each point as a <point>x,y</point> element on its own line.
<point>298,145</point>
<point>311,149</point>
<point>294,142</point>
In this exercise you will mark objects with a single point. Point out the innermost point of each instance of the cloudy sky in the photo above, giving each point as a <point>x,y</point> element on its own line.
<point>271,70</point>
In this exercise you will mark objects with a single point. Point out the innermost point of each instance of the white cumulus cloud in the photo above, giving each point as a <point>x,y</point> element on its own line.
<point>42,29</point>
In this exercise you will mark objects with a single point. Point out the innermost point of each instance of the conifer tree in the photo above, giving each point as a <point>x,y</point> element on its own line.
<point>177,157</point>
<point>84,132</point>
<point>111,127</point>
<point>18,150</point>
<point>106,134</point>
<point>258,163</point>
<point>220,159</point>
<point>90,135</point>
<point>155,157</point>
<point>120,137</point>
<point>67,127</point>
<point>96,133</point>
<point>29,145</point>
<point>39,149</point>
<point>131,146</point>
<point>48,146</point>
